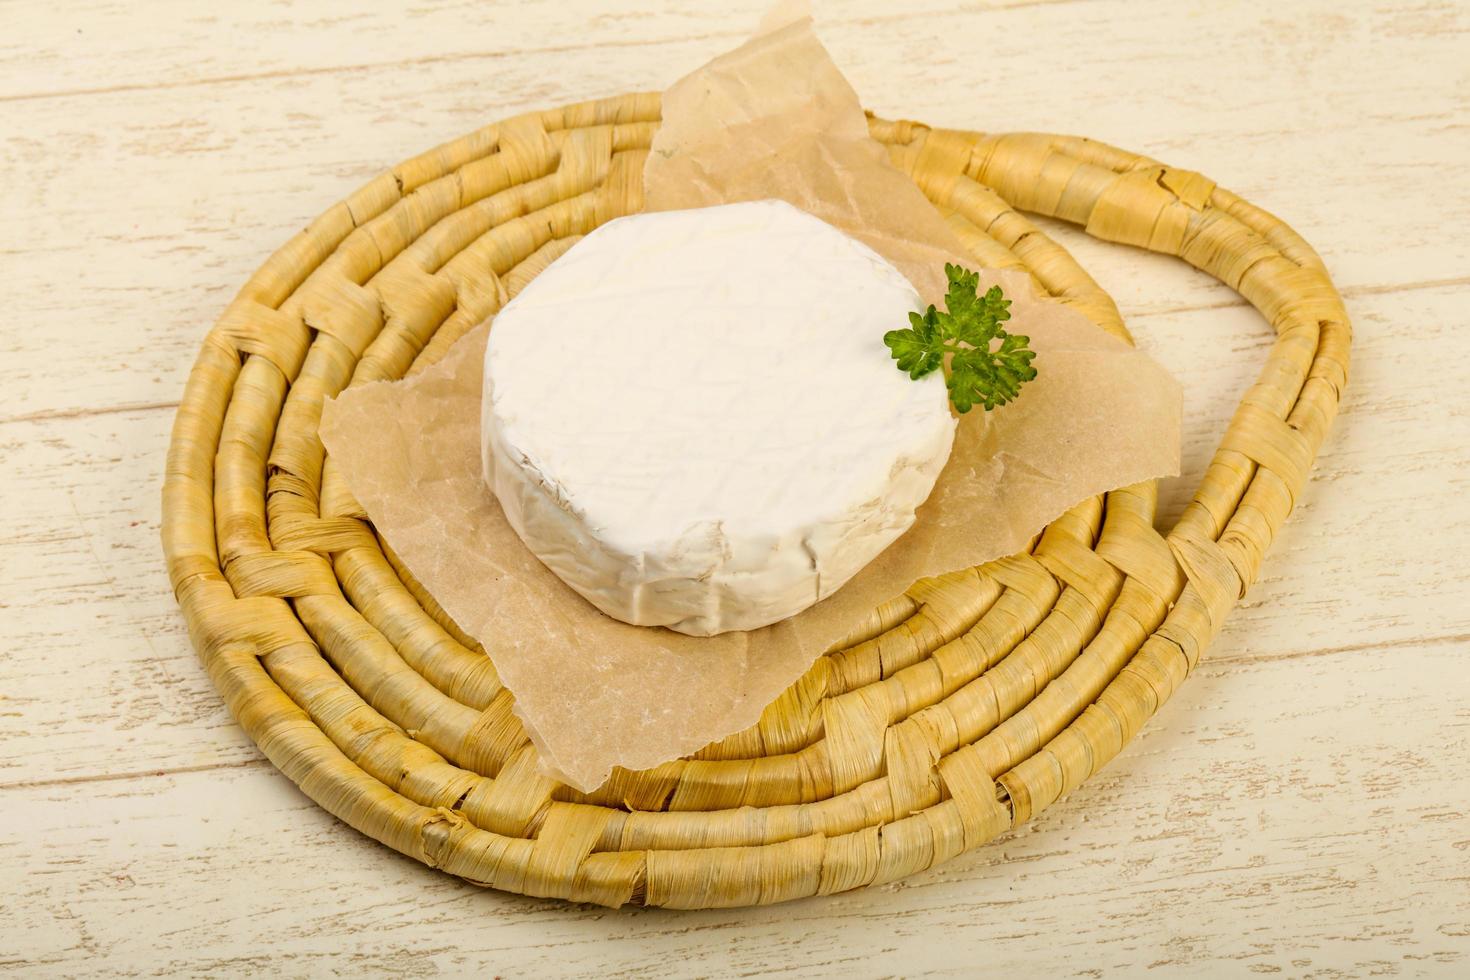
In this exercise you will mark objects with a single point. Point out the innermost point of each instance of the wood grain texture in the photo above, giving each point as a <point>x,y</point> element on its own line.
<point>1299,807</point>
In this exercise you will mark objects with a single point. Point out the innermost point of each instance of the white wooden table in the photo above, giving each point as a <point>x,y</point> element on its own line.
<point>1302,806</point>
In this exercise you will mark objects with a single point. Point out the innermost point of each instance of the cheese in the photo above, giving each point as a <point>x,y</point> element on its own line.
<point>691,417</point>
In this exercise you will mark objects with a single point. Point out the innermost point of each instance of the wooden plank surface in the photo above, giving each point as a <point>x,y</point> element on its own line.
<point>1300,807</point>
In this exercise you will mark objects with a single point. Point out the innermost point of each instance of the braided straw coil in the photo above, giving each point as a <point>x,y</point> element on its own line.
<point>955,712</point>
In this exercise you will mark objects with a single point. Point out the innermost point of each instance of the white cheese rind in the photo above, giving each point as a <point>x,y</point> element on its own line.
<point>691,418</point>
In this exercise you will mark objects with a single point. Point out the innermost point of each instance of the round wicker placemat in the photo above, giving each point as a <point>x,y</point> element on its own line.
<point>956,712</point>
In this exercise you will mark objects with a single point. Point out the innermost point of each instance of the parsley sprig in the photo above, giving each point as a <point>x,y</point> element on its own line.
<point>987,365</point>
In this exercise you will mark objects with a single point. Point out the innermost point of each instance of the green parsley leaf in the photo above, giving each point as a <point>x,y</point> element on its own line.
<point>987,365</point>
<point>919,349</point>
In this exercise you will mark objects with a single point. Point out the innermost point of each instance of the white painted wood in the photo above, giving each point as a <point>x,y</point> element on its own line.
<point>1300,807</point>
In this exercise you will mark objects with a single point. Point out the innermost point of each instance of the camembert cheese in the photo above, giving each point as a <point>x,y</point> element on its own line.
<point>692,419</point>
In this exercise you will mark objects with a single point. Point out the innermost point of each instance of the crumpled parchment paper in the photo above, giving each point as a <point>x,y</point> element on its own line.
<point>772,118</point>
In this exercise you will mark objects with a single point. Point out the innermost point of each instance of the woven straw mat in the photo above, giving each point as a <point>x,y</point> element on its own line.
<point>953,713</point>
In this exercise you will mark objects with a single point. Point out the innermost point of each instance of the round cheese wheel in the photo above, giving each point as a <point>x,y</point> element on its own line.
<point>691,417</point>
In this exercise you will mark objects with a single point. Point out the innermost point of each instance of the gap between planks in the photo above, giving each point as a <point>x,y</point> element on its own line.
<point>473,56</point>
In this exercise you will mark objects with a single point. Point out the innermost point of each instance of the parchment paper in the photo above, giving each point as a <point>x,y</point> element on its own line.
<point>773,118</point>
